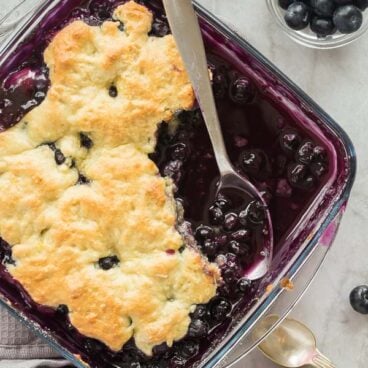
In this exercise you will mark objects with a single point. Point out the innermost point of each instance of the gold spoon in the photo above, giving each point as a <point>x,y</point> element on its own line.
<point>291,344</point>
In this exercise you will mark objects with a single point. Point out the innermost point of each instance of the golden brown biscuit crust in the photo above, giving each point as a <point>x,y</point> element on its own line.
<point>59,229</point>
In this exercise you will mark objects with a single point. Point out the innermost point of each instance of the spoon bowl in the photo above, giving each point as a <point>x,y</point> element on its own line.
<point>291,344</point>
<point>185,28</point>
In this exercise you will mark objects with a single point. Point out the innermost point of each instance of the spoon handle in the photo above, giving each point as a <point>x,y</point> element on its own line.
<point>185,28</point>
<point>320,361</point>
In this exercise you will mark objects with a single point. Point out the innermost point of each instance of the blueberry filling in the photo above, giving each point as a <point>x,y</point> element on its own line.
<point>107,263</point>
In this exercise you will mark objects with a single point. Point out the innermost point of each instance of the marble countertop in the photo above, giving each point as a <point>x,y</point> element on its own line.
<point>338,81</point>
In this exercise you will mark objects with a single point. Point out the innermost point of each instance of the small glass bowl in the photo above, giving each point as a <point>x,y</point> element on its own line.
<point>307,38</point>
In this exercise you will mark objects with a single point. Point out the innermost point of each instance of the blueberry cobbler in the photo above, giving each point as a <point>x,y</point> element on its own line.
<point>111,231</point>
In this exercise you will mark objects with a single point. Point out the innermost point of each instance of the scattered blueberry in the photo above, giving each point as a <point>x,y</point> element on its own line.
<point>322,27</point>
<point>216,215</point>
<point>324,8</point>
<point>299,177</point>
<point>241,91</point>
<point>231,221</point>
<point>107,263</point>
<point>305,152</point>
<point>359,299</point>
<point>220,309</point>
<point>297,15</point>
<point>255,163</point>
<point>348,19</point>
<point>198,328</point>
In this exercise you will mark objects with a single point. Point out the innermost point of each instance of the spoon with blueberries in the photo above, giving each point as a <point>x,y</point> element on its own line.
<point>185,28</point>
<point>324,17</point>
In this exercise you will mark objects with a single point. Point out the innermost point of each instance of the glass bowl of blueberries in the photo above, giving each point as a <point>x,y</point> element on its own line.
<point>322,24</point>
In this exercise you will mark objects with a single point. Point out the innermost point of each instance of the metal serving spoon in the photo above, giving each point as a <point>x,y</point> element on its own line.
<point>185,28</point>
<point>291,345</point>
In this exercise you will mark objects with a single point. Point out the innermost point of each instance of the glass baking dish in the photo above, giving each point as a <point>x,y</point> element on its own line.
<point>294,267</point>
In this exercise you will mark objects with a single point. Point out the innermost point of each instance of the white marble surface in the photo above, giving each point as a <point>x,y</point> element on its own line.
<point>338,81</point>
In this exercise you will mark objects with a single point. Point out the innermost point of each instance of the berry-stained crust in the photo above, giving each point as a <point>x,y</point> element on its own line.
<point>111,222</point>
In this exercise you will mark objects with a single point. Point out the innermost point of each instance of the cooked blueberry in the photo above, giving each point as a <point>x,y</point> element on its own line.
<point>255,163</point>
<point>322,26</point>
<point>173,170</point>
<point>93,346</point>
<point>101,9</point>
<point>305,152</point>
<point>198,328</point>
<point>82,179</point>
<point>289,141</point>
<point>203,232</point>
<point>221,240</point>
<point>299,177</point>
<point>216,215</point>
<point>108,262</point>
<point>241,91</point>
<point>324,8</point>
<point>361,4</point>
<point>160,28</point>
<point>359,299</point>
<point>231,221</point>
<point>348,19</point>
<point>284,4</point>
<point>241,235</point>
<point>318,169</point>
<point>243,218</point>
<point>219,82</point>
<point>319,154</point>
<point>179,151</point>
<point>189,348</point>
<point>6,253</point>
<point>220,309</point>
<point>59,157</point>
<point>237,248</point>
<point>297,15</point>
<point>200,312</point>
<point>161,349</point>
<point>210,247</point>
<point>244,284</point>
<point>223,202</point>
<point>85,141</point>
<point>256,213</point>
<point>39,96</point>
<point>62,310</point>
<point>113,91</point>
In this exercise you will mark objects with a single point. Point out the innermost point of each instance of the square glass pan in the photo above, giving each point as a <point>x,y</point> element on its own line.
<point>304,251</point>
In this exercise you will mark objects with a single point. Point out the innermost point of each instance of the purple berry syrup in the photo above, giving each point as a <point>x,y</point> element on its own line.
<point>284,153</point>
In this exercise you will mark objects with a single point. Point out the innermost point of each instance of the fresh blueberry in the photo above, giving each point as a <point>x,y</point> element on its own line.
<point>299,177</point>
<point>305,152</point>
<point>231,221</point>
<point>216,215</point>
<point>160,28</point>
<point>189,349</point>
<point>203,232</point>
<point>348,19</point>
<point>255,163</point>
<point>244,285</point>
<point>289,141</point>
<point>210,247</point>
<point>322,27</point>
<point>107,263</point>
<point>359,299</point>
<point>241,91</point>
<point>242,235</point>
<point>324,8</point>
<point>297,15</point>
<point>85,140</point>
<point>361,4</point>
<point>284,4</point>
<point>113,91</point>
<point>198,328</point>
<point>220,309</point>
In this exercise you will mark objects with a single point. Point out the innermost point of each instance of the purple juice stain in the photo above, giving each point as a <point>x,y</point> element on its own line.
<point>263,139</point>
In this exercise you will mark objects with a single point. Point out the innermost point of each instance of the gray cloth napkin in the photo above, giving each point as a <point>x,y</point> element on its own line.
<point>20,348</point>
